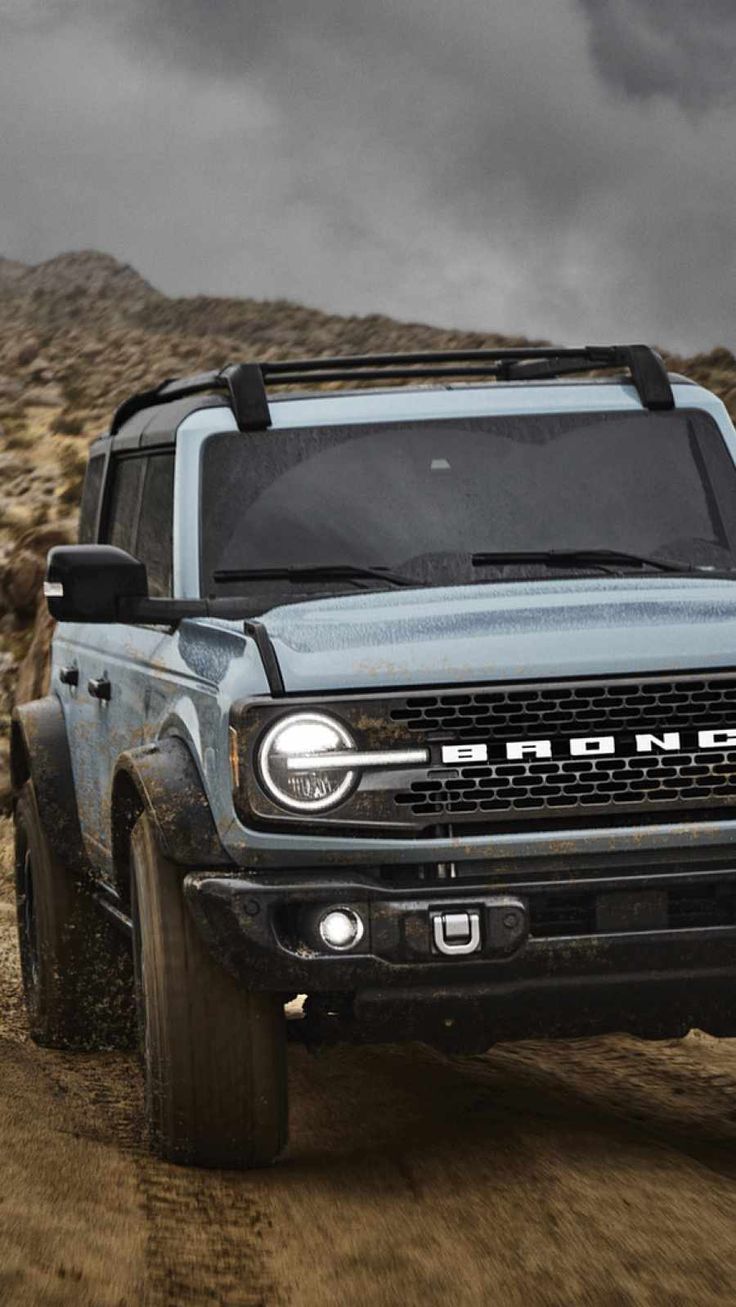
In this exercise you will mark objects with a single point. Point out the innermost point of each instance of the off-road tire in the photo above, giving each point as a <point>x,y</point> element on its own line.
<point>76,967</point>
<point>214,1052</point>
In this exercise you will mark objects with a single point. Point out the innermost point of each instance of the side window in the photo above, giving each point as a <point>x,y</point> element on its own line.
<point>122,518</point>
<point>141,515</point>
<point>154,545</point>
<point>91,499</point>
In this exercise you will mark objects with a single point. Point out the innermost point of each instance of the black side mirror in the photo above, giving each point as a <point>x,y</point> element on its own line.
<point>84,583</point>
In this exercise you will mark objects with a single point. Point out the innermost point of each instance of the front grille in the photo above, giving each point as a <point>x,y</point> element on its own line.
<point>543,789</point>
<point>693,782</point>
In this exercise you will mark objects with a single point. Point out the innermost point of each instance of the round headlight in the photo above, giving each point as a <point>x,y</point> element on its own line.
<point>289,762</point>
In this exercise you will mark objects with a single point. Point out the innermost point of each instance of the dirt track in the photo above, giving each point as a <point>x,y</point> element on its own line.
<point>597,1172</point>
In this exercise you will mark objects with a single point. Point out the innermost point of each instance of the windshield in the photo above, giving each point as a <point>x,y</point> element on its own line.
<point>421,498</point>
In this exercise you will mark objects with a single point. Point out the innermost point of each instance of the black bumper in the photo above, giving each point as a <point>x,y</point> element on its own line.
<point>653,982</point>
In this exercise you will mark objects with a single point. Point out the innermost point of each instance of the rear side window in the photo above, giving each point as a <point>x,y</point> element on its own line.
<point>154,542</point>
<point>91,500</point>
<point>122,522</point>
<point>140,518</point>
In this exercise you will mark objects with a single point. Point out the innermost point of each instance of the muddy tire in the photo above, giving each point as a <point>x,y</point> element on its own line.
<point>214,1053</point>
<point>76,968</point>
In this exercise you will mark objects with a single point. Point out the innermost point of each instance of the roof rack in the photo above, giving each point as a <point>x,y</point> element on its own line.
<point>244,384</point>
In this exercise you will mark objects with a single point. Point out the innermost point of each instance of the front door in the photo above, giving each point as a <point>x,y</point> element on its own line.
<point>120,696</point>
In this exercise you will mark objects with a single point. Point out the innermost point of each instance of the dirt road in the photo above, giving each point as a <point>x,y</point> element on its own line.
<point>599,1172</point>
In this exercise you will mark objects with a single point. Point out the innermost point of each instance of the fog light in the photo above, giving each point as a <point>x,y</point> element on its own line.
<point>341,928</point>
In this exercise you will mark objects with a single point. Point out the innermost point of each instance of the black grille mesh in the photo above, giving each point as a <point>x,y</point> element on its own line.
<point>501,790</point>
<point>591,709</point>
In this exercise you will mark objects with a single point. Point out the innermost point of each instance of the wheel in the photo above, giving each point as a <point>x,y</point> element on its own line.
<point>214,1053</point>
<point>76,968</point>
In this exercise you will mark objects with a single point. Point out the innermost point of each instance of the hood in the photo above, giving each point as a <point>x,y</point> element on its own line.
<point>505,632</point>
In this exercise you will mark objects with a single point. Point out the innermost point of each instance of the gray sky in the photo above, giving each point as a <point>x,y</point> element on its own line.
<point>562,168</point>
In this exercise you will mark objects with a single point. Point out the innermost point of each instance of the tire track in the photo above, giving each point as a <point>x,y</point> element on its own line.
<point>682,1092</point>
<point>597,1172</point>
<point>189,1236</point>
<point>204,1233</point>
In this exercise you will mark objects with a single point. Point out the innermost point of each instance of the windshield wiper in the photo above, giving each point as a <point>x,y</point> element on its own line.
<point>326,572</point>
<point>584,557</point>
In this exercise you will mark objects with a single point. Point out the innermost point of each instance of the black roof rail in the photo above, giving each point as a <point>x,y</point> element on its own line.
<point>244,384</point>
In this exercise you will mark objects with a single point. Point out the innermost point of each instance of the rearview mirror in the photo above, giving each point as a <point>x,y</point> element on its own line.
<point>84,583</point>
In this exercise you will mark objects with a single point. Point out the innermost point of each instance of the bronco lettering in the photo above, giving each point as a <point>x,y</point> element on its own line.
<point>590,745</point>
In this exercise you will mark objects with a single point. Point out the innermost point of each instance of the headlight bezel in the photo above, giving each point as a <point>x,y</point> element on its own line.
<point>387,754</point>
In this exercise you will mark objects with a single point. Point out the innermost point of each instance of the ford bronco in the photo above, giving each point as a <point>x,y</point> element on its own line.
<point>406,711</point>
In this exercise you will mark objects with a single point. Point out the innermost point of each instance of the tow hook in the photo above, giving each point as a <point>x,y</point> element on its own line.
<point>456,933</point>
<point>497,928</point>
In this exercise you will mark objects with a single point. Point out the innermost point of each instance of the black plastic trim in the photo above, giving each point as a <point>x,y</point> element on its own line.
<point>168,785</point>
<point>40,753</point>
<point>241,382</point>
<point>264,645</point>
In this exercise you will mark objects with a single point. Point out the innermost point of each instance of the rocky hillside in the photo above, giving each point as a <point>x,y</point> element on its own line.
<point>81,331</point>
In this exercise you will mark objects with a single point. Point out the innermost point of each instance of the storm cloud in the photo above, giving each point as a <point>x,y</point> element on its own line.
<point>684,50</point>
<point>562,168</point>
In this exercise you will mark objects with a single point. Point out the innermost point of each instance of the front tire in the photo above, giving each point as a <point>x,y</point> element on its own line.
<point>214,1053</point>
<point>77,971</point>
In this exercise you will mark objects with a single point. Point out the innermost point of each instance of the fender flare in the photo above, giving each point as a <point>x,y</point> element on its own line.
<point>39,751</point>
<point>163,780</point>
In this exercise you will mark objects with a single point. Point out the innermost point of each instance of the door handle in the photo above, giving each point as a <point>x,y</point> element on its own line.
<point>100,688</point>
<point>69,676</point>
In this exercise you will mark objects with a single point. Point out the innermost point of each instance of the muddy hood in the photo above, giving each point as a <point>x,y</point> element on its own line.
<point>519,631</point>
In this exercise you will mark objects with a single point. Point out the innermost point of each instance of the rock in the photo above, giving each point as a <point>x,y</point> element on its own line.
<point>33,673</point>
<point>7,677</point>
<point>46,396</point>
<point>8,672</point>
<point>22,581</point>
<point>10,466</point>
<point>27,353</point>
<point>22,577</point>
<point>21,592</point>
<point>41,370</point>
<point>68,425</point>
<point>10,388</point>
<point>6,791</point>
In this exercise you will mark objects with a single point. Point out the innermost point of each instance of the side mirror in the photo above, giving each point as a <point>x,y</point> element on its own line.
<point>84,583</point>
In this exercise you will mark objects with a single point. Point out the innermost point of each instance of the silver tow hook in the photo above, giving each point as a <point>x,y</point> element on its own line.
<point>456,933</point>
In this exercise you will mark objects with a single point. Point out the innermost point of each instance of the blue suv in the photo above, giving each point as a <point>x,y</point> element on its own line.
<point>406,711</point>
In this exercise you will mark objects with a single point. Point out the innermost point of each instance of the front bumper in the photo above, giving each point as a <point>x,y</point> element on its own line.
<point>629,970</point>
<point>251,848</point>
